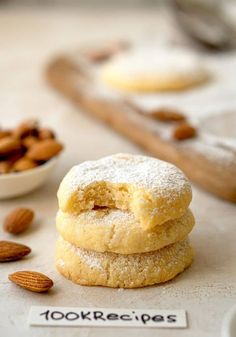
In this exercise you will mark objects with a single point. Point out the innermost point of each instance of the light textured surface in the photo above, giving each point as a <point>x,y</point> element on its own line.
<point>206,290</point>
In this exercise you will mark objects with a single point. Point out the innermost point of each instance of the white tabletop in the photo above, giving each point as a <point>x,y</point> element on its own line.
<point>206,290</point>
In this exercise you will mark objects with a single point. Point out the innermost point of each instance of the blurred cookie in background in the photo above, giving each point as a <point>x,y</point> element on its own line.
<point>155,69</point>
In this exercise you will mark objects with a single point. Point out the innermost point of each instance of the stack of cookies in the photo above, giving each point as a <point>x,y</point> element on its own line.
<point>123,222</point>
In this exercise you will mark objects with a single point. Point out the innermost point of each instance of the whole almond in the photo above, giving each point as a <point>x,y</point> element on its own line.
<point>103,53</point>
<point>184,131</point>
<point>4,133</point>
<point>99,55</point>
<point>29,141</point>
<point>31,280</point>
<point>24,164</point>
<point>167,115</point>
<point>18,220</point>
<point>12,251</point>
<point>44,150</point>
<point>46,134</point>
<point>5,167</point>
<point>26,128</point>
<point>8,145</point>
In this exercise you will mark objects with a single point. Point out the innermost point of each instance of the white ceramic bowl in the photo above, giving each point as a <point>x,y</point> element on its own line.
<point>229,323</point>
<point>16,184</point>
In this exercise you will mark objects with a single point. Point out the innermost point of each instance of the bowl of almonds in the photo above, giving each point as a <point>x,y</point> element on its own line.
<point>28,154</point>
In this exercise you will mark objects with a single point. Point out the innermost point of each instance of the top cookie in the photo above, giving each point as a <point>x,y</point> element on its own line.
<point>149,69</point>
<point>153,190</point>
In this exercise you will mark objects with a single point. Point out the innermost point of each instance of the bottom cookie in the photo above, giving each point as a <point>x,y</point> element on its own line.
<point>92,268</point>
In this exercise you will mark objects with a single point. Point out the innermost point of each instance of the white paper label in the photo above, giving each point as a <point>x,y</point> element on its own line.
<point>107,317</point>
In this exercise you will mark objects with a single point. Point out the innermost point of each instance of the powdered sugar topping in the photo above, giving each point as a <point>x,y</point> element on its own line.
<point>161,63</point>
<point>167,256</point>
<point>145,172</point>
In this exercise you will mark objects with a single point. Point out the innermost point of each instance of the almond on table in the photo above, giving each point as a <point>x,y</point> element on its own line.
<point>184,131</point>
<point>167,115</point>
<point>12,251</point>
<point>18,220</point>
<point>31,280</point>
<point>107,51</point>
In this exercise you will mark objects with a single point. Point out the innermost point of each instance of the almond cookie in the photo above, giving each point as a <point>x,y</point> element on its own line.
<point>107,230</point>
<point>144,70</point>
<point>125,271</point>
<point>153,190</point>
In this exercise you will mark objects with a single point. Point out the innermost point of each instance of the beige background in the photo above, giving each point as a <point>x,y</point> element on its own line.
<point>206,290</point>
